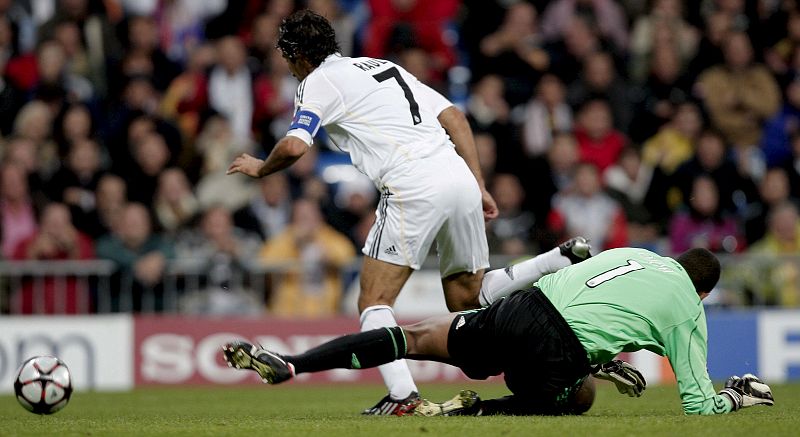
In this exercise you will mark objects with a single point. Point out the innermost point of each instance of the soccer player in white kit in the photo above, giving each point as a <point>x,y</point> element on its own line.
<point>418,150</point>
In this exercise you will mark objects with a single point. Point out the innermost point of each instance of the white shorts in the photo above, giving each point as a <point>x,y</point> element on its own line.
<point>435,198</point>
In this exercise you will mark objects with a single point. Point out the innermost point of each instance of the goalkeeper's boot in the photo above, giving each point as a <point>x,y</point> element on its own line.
<point>576,249</point>
<point>466,403</point>
<point>271,367</point>
<point>389,406</point>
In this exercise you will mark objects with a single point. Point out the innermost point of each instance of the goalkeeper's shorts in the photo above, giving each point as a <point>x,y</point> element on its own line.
<point>524,337</point>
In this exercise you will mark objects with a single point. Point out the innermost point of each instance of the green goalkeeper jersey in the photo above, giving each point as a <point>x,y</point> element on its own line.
<point>624,300</point>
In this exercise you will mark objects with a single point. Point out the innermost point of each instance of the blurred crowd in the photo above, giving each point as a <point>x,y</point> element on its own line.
<point>663,124</point>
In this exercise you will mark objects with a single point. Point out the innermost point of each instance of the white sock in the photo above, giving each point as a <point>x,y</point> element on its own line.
<point>499,283</point>
<point>395,375</point>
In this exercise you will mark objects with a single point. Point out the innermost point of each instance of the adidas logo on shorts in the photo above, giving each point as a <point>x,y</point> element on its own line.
<point>461,322</point>
<point>391,250</point>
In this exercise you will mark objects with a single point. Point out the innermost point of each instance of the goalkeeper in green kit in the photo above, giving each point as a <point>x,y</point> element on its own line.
<point>548,338</point>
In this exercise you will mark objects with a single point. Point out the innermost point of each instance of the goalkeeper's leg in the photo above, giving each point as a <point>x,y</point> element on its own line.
<point>500,283</point>
<point>530,404</point>
<point>426,340</point>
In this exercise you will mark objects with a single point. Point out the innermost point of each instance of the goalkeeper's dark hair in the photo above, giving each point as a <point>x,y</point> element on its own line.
<point>308,35</point>
<point>703,268</point>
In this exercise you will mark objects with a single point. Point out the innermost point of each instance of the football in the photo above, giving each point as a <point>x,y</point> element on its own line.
<point>43,385</point>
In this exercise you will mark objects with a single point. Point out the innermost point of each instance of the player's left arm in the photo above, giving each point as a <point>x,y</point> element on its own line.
<point>686,346</point>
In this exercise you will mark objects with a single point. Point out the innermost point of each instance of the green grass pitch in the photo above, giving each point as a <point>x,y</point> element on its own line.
<point>332,411</point>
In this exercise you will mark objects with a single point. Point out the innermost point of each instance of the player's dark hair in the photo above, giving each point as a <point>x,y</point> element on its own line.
<point>309,35</point>
<point>702,267</point>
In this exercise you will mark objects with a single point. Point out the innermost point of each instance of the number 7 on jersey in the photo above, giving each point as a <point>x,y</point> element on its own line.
<point>412,103</point>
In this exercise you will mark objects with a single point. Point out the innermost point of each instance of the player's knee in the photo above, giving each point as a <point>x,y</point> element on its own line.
<point>462,303</point>
<point>461,299</point>
<point>584,397</point>
<point>367,299</point>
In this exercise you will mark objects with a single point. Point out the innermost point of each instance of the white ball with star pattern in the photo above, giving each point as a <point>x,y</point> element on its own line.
<point>43,385</point>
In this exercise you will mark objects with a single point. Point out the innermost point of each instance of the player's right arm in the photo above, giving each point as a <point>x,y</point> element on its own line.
<point>317,103</point>
<point>686,346</point>
<point>288,150</point>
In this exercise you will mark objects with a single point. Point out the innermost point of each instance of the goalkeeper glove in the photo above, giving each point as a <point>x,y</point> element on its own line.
<point>747,391</point>
<point>626,377</point>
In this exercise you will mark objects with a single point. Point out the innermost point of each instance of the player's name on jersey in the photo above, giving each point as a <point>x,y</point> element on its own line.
<point>370,64</point>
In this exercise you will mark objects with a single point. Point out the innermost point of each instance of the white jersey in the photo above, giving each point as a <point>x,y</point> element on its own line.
<point>372,109</point>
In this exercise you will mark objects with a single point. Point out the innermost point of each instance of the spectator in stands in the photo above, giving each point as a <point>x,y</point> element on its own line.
<point>180,22</point>
<point>22,152</point>
<point>778,130</point>
<point>110,198</point>
<point>641,190</point>
<point>488,111</point>
<point>666,87</point>
<point>151,157</point>
<point>584,209</point>
<point>16,207</point>
<point>343,24</point>
<point>740,94</point>
<point>599,80</point>
<point>312,288</point>
<point>487,105</point>
<point>222,251</point>
<point>711,158</point>
<point>11,97</point>
<point>396,25</point>
<point>77,65</point>
<point>792,166</point>
<point>417,62</point>
<point>486,146</point>
<point>134,116</point>
<point>674,144</point>
<point>273,96</point>
<point>55,81</point>
<point>353,204</point>
<point>230,86</point>
<point>140,255</point>
<point>143,40</point>
<point>709,52</point>
<point>56,239</point>
<point>216,147</point>
<point>568,54</point>
<point>75,182</point>
<point>545,115</point>
<point>606,15</point>
<point>663,26</point>
<point>773,190</point>
<point>511,232</point>
<point>704,223</point>
<point>97,34</point>
<point>174,204</point>
<point>598,141</point>
<point>33,123</point>
<point>268,213</point>
<point>75,123</point>
<point>777,283</point>
<point>515,52</point>
<point>783,234</point>
<point>550,174</point>
<point>263,37</point>
<point>186,97</point>
<point>303,170</point>
<point>779,56</point>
